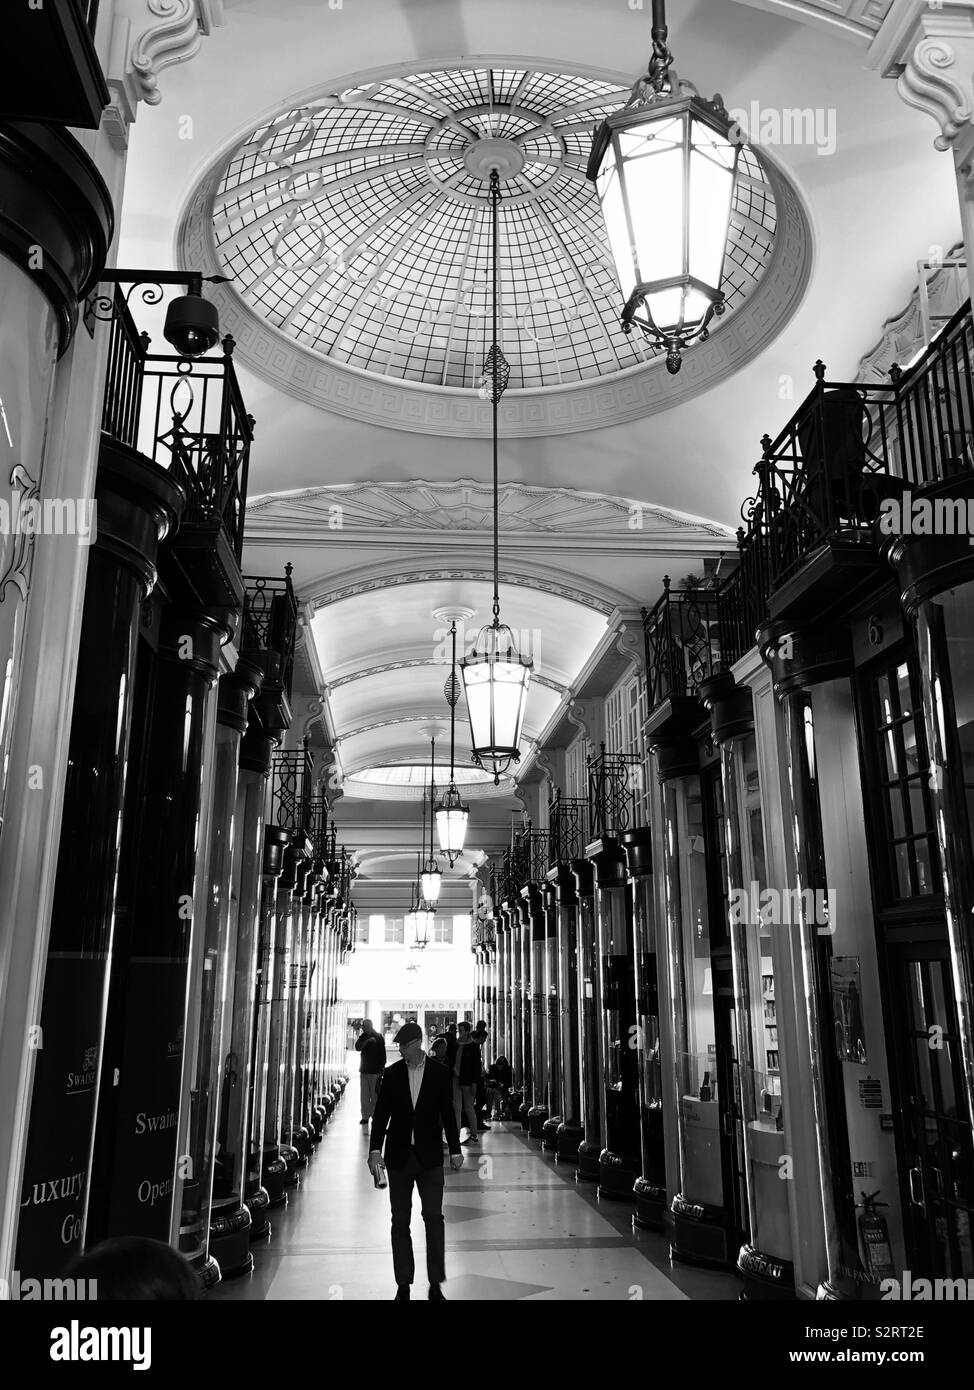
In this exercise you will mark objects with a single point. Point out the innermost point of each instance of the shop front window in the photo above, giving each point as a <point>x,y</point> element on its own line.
<point>903,790</point>
<point>697,1062</point>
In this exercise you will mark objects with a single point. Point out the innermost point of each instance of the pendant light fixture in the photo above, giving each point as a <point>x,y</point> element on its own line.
<point>431,876</point>
<point>664,167</point>
<point>451,814</point>
<point>495,675</point>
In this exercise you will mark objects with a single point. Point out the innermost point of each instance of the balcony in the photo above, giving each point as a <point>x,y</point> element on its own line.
<point>270,618</point>
<point>812,540</point>
<point>567,829</point>
<point>291,788</point>
<point>186,416</point>
<point>613,782</point>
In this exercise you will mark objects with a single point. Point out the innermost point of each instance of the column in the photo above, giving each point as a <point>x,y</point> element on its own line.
<point>800,659</point>
<point>208,996</point>
<point>527,1014</point>
<point>650,1186</point>
<point>549,1131</point>
<point>137,506</point>
<point>516,960</point>
<point>265,1151</point>
<point>569,1132</point>
<point>236,1174</point>
<point>619,1161</point>
<point>589,1017</point>
<point>538,1112</point>
<point>162,870</point>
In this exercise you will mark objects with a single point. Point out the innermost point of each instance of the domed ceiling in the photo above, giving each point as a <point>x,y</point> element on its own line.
<point>356,234</point>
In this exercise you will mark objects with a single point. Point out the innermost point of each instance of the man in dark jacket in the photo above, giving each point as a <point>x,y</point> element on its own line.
<point>372,1046</point>
<point>416,1106</point>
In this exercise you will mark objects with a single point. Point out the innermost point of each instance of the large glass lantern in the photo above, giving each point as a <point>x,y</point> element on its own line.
<point>430,884</point>
<point>423,926</point>
<point>451,823</point>
<point>495,683</point>
<point>664,167</point>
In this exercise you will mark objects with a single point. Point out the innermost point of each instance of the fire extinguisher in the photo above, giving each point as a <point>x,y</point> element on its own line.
<point>874,1239</point>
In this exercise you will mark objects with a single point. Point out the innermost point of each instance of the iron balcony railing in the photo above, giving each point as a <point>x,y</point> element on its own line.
<point>613,783</point>
<point>270,621</point>
<point>185,415</point>
<point>291,789</point>
<point>567,828</point>
<point>850,447</point>
<point>683,642</point>
<point>533,857</point>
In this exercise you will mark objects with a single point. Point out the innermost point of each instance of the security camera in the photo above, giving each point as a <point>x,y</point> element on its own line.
<point>192,323</point>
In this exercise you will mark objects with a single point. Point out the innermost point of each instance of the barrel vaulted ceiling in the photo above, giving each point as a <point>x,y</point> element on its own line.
<point>371,464</point>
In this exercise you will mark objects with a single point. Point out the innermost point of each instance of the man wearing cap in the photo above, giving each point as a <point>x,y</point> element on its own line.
<point>415,1105</point>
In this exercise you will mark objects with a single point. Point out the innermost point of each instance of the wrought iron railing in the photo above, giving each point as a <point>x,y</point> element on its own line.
<point>187,416</point>
<point>291,789</point>
<point>614,780</point>
<point>270,620</point>
<point>682,636</point>
<point>322,836</point>
<point>514,869</point>
<point>534,854</point>
<point>567,828</point>
<point>850,447</point>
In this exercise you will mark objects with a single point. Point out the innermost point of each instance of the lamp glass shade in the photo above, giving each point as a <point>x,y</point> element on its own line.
<point>409,923</point>
<point>451,829</point>
<point>665,175</point>
<point>495,682</point>
<point>423,925</point>
<point>430,885</point>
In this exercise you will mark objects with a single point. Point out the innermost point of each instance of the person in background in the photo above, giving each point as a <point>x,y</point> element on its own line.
<point>437,1052</point>
<point>372,1047</point>
<point>499,1079</point>
<point>466,1070</point>
<point>451,1046</point>
<point>480,1100</point>
<point>414,1105</point>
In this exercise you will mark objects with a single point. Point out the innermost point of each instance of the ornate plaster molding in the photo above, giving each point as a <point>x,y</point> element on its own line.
<point>367,672</point>
<point>853,19</point>
<point>902,336</point>
<point>588,716</point>
<point>930,53</point>
<point>148,36</point>
<point>485,576</point>
<point>629,644</point>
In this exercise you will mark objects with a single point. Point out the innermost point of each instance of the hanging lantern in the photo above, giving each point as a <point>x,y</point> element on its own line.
<point>423,926</point>
<point>664,167</point>
<point>431,877</point>
<point>495,683</point>
<point>430,885</point>
<point>451,814</point>
<point>451,823</point>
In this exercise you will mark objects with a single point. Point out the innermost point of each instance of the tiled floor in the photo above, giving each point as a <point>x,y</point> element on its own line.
<point>518,1226</point>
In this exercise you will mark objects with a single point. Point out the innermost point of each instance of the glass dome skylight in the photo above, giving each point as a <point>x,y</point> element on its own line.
<point>359,227</point>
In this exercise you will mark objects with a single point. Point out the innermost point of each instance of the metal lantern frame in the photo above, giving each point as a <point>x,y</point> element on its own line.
<point>495,661</point>
<point>661,100</point>
<point>431,880</point>
<point>452,815</point>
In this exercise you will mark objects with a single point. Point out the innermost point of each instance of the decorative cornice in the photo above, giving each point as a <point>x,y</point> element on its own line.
<point>366,672</point>
<point>629,643</point>
<point>853,19</point>
<point>903,334</point>
<point>929,50</point>
<point>423,576</point>
<point>464,506</point>
<point>148,36</point>
<point>587,716</point>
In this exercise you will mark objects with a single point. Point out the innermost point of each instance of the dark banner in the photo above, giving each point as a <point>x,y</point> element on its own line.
<point>62,1114</point>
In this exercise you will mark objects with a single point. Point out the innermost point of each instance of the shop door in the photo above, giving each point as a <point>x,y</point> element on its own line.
<point>937,1151</point>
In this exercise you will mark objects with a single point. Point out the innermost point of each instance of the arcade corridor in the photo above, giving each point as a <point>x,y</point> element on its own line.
<point>524,1230</point>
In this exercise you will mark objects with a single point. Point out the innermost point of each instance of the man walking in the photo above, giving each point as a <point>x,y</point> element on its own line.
<point>372,1047</point>
<point>416,1106</point>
